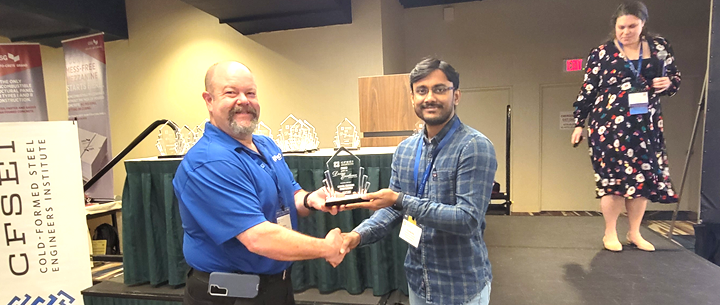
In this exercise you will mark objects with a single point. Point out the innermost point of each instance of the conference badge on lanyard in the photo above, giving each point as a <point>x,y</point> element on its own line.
<point>283,218</point>
<point>637,99</point>
<point>410,232</point>
<point>638,102</point>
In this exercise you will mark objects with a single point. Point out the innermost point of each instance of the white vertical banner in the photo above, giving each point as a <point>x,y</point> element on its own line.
<point>22,88</point>
<point>44,243</point>
<point>88,104</point>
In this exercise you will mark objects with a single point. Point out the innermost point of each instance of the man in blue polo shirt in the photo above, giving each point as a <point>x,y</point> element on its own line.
<point>439,190</point>
<point>239,202</point>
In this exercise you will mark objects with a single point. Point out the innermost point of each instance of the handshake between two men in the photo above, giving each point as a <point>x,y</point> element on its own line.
<point>339,244</point>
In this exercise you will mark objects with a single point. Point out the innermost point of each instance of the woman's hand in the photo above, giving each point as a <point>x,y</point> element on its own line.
<point>576,135</point>
<point>661,84</point>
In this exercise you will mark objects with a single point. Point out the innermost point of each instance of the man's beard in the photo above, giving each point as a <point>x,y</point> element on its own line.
<point>442,118</point>
<point>242,130</point>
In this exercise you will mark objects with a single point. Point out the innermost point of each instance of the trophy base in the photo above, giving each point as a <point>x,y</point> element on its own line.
<point>171,156</point>
<point>344,200</point>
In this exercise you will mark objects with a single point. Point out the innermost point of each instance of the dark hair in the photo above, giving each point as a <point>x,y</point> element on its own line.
<point>635,8</point>
<point>430,64</point>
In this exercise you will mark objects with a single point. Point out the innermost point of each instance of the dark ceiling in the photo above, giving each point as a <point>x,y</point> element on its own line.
<point>421,3</point>
<point>48,22</point>
<point>51,21</point>
<point>252,17</point>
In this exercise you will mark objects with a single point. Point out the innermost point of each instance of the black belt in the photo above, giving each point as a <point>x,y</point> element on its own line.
<point>264,278</point>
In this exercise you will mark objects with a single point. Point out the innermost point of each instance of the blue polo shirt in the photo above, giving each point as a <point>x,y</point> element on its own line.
<point>224,188</point>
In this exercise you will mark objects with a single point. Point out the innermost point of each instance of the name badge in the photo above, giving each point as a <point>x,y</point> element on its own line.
<point>283,218</point>
<point>638,103</point>
<point>410,232</point>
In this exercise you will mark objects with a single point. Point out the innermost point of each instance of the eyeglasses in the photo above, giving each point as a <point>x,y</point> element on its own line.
<point>437,90</point>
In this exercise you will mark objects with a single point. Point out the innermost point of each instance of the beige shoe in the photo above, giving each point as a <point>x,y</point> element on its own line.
<point>612,245</point>
<point>641,243</point>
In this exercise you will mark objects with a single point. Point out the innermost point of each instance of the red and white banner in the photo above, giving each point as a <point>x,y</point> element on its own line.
<point>22,88</point>
<point>88,104</point>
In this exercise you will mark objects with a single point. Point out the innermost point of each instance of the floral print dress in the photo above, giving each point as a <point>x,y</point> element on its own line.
<point>627,151</point>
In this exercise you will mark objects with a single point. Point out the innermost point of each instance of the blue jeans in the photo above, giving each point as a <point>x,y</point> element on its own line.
<point>483,298</point>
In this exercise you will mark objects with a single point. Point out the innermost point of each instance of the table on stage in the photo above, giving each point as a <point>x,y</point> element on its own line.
<point>152,229</point>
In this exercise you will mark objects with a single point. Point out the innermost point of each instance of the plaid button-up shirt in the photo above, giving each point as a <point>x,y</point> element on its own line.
<point>451,264</point>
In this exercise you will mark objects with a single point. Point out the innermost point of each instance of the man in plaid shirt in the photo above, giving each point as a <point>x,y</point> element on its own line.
<point>440,190</point>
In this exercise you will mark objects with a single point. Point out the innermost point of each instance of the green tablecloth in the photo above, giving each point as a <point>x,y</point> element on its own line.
<point>152,229</point>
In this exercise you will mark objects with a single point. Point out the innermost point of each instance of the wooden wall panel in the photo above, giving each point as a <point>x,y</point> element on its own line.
<point>385,106</point>
<point>385,103</point>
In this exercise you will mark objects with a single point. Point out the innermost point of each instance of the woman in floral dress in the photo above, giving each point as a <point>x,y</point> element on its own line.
<point>620,95</point>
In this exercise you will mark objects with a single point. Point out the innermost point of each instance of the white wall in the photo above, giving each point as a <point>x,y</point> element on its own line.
<point>393,37</point>
<point>521,44</point>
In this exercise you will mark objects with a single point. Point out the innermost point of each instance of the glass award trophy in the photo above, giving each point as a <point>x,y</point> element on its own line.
<point>302,135</point>
<point>346,135</point>
<point>264,130</point>
<point>289,135</point>
<point>419,127</point>
<point>170,142</point>
<point>280,141</point>
<point>189,139</point>
<point>313,142</point>
<point>200,130</point>
<point>345,180</point>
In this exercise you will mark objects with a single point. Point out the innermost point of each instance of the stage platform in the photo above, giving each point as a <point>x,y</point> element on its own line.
<point>536,260</point>
<point>114,292</point>
<point>560,260</point>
